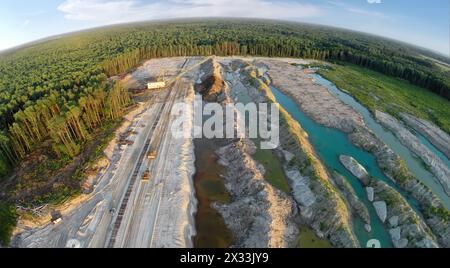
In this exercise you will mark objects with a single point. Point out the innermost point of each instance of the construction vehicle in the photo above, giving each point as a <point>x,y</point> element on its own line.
<point>146,176</point>
<point>152,155</point>
<point>56,217</point>
<point>56,221</point>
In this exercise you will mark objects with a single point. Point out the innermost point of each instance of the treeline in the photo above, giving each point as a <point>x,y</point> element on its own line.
<point>424,78</point>
<point>8,218</point>
<point>129,60</point>
<point>420,77</point>
<point>58,89</point>
<point>67,124</point>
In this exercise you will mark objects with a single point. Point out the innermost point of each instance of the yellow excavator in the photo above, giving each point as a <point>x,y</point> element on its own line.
<point>146,176</point>
<point>152,155</point>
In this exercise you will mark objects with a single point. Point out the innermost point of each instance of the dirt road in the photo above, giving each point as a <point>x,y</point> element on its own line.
<point>124,210</point>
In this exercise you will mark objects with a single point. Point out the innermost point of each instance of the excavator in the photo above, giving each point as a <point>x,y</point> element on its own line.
<point>150,156</point>
<point>146,176</point>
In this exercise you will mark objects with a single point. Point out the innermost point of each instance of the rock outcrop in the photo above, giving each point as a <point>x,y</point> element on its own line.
<point>357,206</point>
<point>393,221</point>
<point>434,163</point>
<point>314,99</point>
<point>407,228</point>
<point>389,204</point>
<point>440,224</point>
<point>322,209</point>
<point>355,168</point>
<point>320,205</point>
<point>381,209</point>
<point>370,193</point>
<point>436,215</point>
<point>433,133</point>
<point>259,215</point>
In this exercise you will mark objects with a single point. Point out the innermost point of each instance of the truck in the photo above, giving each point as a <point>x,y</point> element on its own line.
<point>56,221</point>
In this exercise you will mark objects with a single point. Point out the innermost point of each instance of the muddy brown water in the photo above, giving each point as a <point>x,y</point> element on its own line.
<point>212,231</point>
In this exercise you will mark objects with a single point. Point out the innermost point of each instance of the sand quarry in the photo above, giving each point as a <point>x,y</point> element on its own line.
<point>123,209</point>
<point>144,195</point>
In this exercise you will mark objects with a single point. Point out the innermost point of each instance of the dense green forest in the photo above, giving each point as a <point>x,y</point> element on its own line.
<point>57,90</point>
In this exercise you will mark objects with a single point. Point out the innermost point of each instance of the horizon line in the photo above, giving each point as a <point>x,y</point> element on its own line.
<point>68,33</point>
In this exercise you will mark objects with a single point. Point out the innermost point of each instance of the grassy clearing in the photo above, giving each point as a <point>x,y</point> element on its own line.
<point>274,170</point>
<point>308,239</point>
<point>380,92</point>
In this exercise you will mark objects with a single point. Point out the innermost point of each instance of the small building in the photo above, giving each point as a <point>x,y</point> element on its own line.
<point>156,85</point>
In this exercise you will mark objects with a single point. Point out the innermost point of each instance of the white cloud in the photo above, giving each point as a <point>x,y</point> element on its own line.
<point>116,11</point>
<point>367,13</point>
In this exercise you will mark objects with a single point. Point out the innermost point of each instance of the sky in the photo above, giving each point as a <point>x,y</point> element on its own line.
<point>420,22</point>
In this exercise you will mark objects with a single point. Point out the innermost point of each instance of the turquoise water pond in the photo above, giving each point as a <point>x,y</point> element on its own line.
<point>414,164</point>
<point>329,144</point>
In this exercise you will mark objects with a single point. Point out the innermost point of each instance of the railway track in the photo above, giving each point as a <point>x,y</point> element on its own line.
<point>156,185</point>
<point>147,147</point>
<point>181,94</point>
<point>132,181</point>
